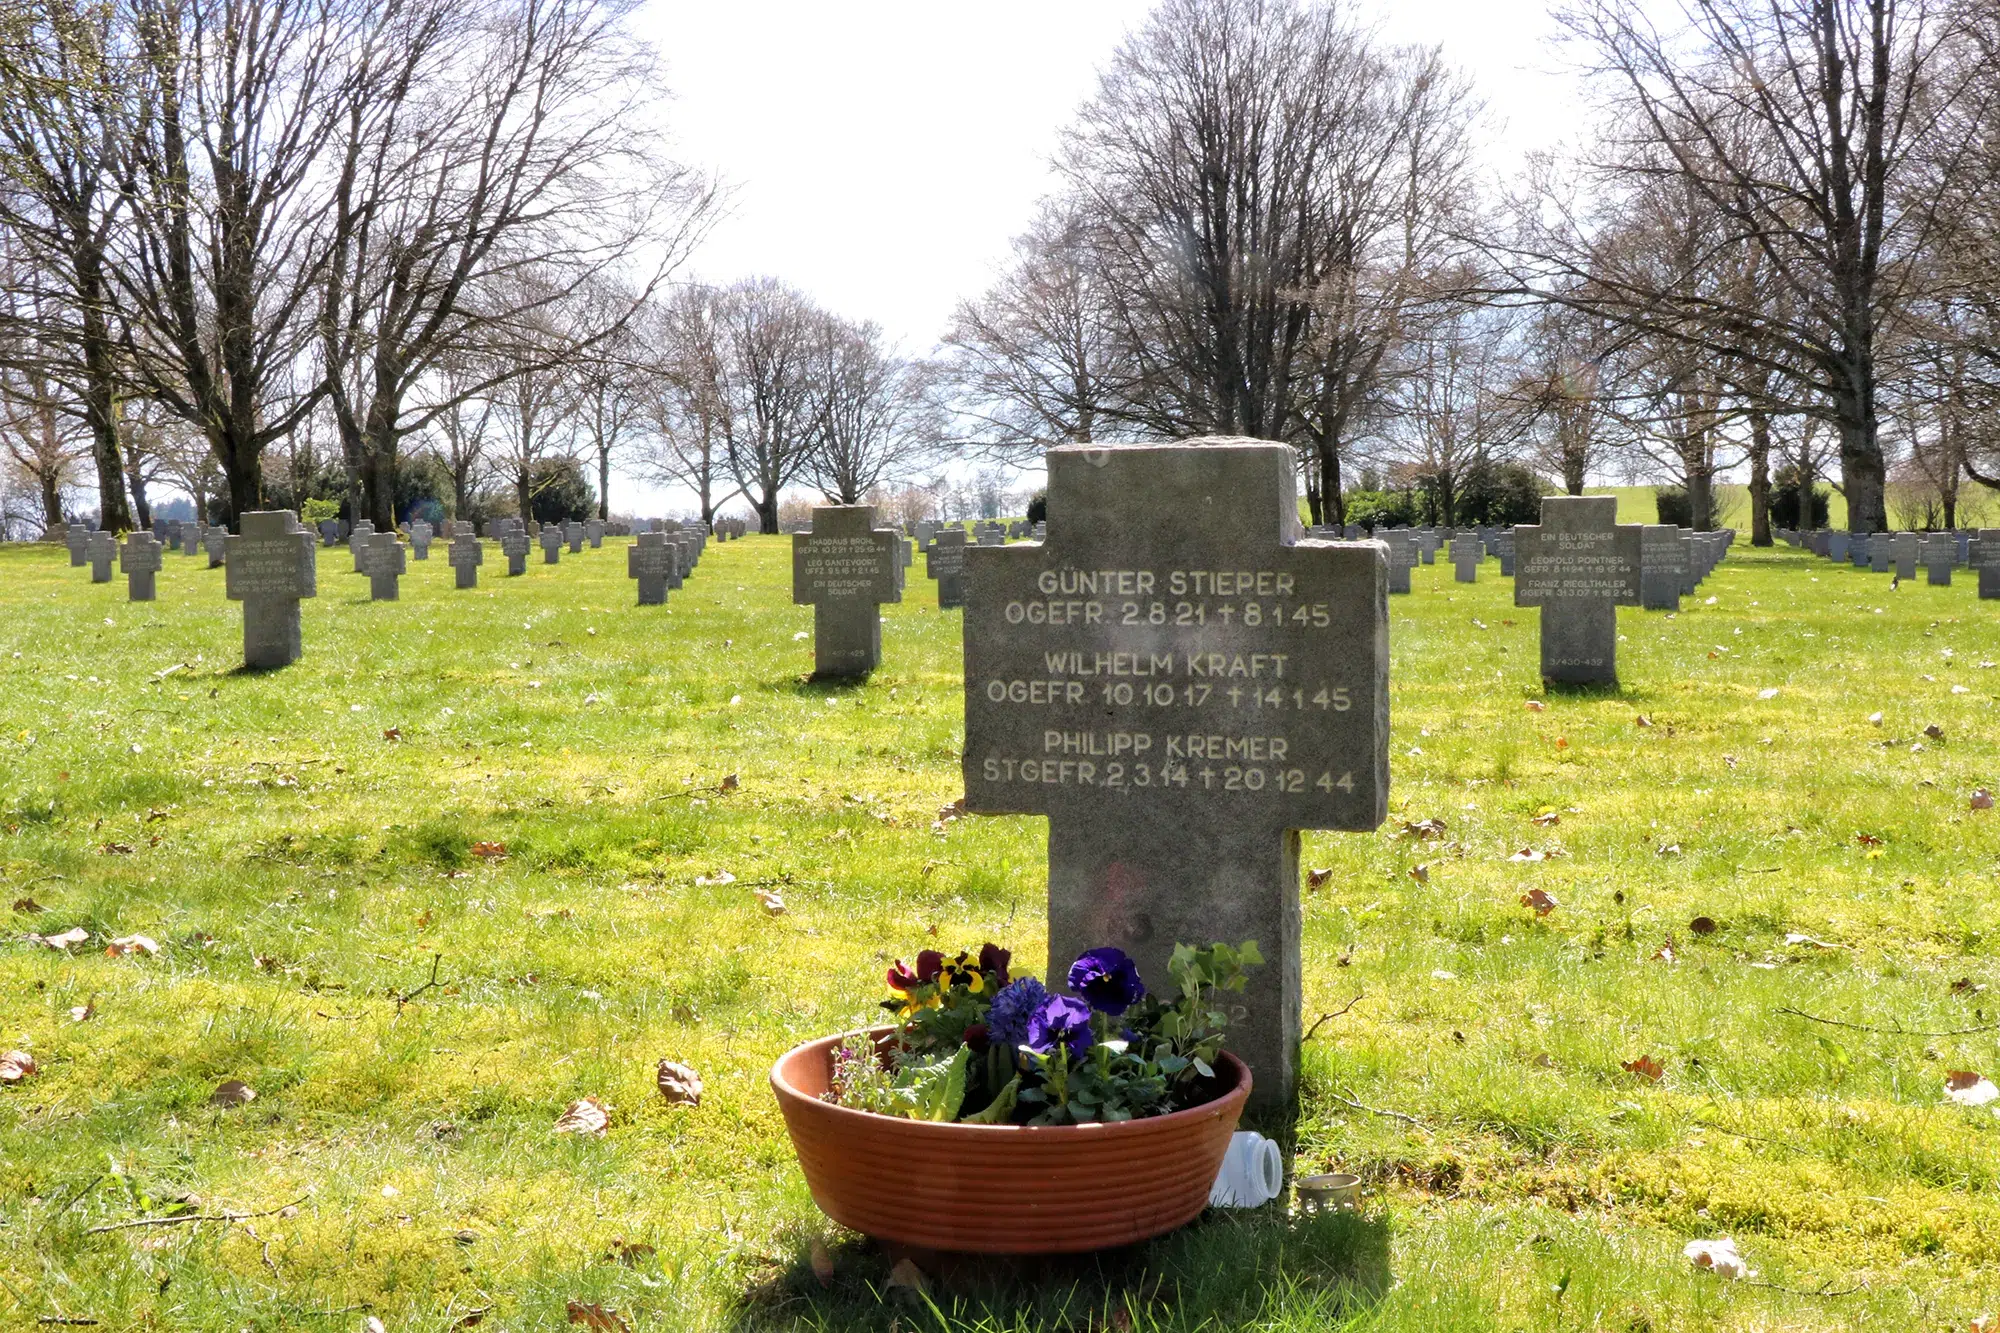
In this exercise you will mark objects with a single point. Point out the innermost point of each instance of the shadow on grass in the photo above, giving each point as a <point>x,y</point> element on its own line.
<point>1227,1270</point>
<point>1584,691</point>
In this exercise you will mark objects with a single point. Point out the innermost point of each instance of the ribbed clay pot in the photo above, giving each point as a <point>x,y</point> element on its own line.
<point>1003,1189</point>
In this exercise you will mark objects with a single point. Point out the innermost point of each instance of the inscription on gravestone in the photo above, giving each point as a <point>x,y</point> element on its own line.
<point>139,562</point>
<point>269,567</point>
<point>1180,685</point>
<point>1579,565</point>
<point>1465,556</point>
<point>514,545</point>
<point>420,540</point>
<point>1984,556</point>
<point>103,549</point>
<point>77,539</point>
<point>1940,553</point>
<point>552,544</point>
<point>1663,558</point>
<point>383,560</point>
<point>1903,552</point>
<point>465,555</point>
<point>216,542</point>
<point>651,559</point>
<point>946,564</point>
<point>845,568</point>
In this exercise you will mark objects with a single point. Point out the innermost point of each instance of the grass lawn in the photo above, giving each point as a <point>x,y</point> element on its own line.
<point>301,846</point>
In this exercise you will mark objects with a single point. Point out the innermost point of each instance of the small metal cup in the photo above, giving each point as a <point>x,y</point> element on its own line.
<point>1328,1193</point>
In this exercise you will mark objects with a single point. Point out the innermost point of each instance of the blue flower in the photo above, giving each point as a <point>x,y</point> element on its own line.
<point>1108,979</point>
<point>1007,1020</point>
<point>1060,1021</point>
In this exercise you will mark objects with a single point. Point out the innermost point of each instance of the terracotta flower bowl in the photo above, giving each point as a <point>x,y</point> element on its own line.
<point>1003,1189</point>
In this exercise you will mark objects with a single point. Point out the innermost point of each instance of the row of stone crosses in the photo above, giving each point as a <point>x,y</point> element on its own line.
<point>1900,553</point>
<point>273,563</point>
<point>1578,564</point>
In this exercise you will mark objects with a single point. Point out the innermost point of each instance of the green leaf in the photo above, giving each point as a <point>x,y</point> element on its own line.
<point>1001,1106</point>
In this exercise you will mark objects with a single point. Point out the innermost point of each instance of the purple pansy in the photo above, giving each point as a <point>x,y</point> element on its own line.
<point>1108,980</point>
<point>1060,1021</point>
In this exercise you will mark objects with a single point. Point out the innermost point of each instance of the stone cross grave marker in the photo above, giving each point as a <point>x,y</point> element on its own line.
<point>573,534</point>
<point>465,555</point>
<point>329,531</point>
<point>946,564</point>
<point>1427,545</point>
<point>77,539</point>
<point>552,544</point>
<point>1938,552</point>
<point>651,559</point>
<point>1903,548</point>
<point>189,536</point>
<point>1579,565</point>
<point>1663,558</point>
<point>845,567</point>
<point>384,561</point>
<point>139,562</point>
<point>1180,685</point>
<point>593,532</point>
<point>1466,552</point>
<point>514,545</point>
<point>420,540</point>
<point>1878,552</point>
<point>1836,547</point>
<point>216,542</point>
<point>1983,555</point>
<point>1402,544</point>
<point>358,534</point>
<point>270,565</point>
<point>992,537</point>
<point>102,551</point>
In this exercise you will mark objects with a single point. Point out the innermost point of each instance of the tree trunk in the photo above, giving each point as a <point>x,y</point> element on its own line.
<point>767,513</point>
<point>524,495</point>
<point>1333,508</point>
<point>1760,483</point>
<point>604,484</point>
<point>142,507</point>
<point>51,500</point>
<point>1863,477</point>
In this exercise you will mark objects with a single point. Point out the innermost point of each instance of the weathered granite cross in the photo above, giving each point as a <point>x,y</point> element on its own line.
<point>465,555</point>
<point>1663,566</point>
<point>552,543</point>
<point>382,559</point>
<point>356,535</point>
<point>1940,552</point>
<point>1466,551</point>
<point>77,538</point>
<point>1180,684</point>
<point>216,542</point>
<point>1984,555</point>
<point>1579,565</point>
<point>103,549</point>
<point>139,562</point>
<point>1403,549</point>
<point>651,559</point>
<point>514,545</point>
<point>946,563</point>
<point>270,565</point>
<point>845,567</point>
<point>420,540</point>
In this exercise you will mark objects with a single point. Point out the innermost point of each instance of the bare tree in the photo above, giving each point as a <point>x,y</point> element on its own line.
<point>687,402</point>
<point>41,440</point>
<point>873,415</point>
<point>460,427</point>
<point>1450,409</point>
<point>480,141</point>
<point>61,88</point>
<point>1560,395</point>
<point>1799,127</point>
<point>767,331</point>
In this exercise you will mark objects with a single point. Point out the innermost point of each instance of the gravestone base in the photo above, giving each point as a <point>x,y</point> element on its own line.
<point>1580,641</point>
<point>142,587</point>
<point>271,636</point>
<point>652,590</point>
<point>1660,590</point>
<point>1465,572</point>
<point>517,564</point>
<point>382,587</point>
<point>847,639</point>
<point>1939,576</point>
<point>468,576</point>
<point>1122,879</point>
<point>100,571</point>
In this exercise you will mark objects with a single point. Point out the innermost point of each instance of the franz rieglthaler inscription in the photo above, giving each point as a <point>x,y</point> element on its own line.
<point>1181,684</point>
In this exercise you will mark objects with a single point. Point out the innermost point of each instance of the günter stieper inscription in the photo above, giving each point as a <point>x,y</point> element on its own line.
<point>1180,683</point>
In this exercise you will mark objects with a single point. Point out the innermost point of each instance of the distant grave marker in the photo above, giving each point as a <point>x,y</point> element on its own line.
<point>139,562</point>
<point>384,561</point>
<point>845,567</point>
<point>946,564</point>
<point>1579,565</point>
<point>269,567</point>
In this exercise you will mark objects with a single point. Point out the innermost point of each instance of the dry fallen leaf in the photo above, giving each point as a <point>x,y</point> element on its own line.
<point>770,901</point>
<point>73,936</point>
<point>28,906</point>
<point>1702,925</point>
<point>1969,1089</point>
<point>1982,799</point>
<point>1535,706</point>
<point>597,1318</point>
<point>1546,817</point>
<point>907,1275</point>
<point>1562,743</point>
<point>1934,731</point>
<point>232,1092</point>
<point>1316,879</point>
<point>1540,900</point>
<point>719,877</point>
<point>489,850</point>
<point>125,944</point>
<point>1529,855</point>
<point>83,1013</point>
<point>1642,720</point>
<point>1666,953</point>
<point>588,1116</point>
<point>1422,828</point>
<point>1966,986</point>
<point>1421,873</point>
<point>680,1085</point>
<point>116,849</point>
<point>1868,840</point>
<point>629,1254</point>
<point>1875,719</point>
<point>822,1262</point>
<point>729,782</point>
<point>1645,1067</point>
<point>392,733</point>
<point>16,1065</point>
<point>1717,1256</point>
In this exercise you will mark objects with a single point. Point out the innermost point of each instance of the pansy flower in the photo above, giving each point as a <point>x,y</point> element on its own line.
<point>1060,1021</point>
<point>961,973</point>
<point>1108,980</point>
<point>902,980</point>
<point>993,961</point>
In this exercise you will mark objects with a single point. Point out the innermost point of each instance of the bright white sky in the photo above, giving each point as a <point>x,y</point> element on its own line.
<point>883,152</point>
